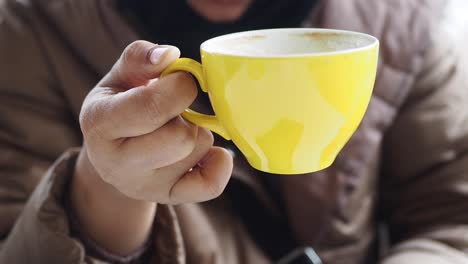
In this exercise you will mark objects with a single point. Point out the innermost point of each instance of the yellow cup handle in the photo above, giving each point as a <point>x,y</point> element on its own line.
<point>207,121</point>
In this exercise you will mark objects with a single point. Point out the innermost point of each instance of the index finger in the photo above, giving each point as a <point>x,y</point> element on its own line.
<point>140,110</point>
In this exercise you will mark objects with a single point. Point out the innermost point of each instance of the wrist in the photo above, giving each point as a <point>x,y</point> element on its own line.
<point>88,184</point>
<point>114,221</point>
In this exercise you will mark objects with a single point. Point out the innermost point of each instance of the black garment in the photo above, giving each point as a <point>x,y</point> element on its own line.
<point>174,22</point>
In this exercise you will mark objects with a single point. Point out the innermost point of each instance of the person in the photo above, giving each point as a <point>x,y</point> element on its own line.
<point>97,166</point>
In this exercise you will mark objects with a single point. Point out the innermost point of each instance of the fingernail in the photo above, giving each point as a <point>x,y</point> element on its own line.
<point>157,54</point>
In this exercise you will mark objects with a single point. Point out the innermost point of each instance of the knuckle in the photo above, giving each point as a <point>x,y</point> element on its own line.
<point>205,138</point>
<point>152,105</point>
<point>185,134</point>
<point>87,120</point>
<point>133,50</point>
<point>91,121</point>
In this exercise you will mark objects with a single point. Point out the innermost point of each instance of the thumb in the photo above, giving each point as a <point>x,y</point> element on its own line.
<point>140,62</point>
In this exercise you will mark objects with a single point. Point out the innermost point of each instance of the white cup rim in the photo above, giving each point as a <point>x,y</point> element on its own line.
<point>373,41</point>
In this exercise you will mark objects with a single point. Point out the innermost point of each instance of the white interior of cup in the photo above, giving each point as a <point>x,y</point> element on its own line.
<point>295,42</point>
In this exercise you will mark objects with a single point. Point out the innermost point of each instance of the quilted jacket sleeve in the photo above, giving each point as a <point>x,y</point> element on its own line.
<point>36,127</point>
<point>425,180</point>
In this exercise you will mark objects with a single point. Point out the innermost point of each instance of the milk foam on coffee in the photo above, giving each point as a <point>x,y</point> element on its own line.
<point>285,43</point>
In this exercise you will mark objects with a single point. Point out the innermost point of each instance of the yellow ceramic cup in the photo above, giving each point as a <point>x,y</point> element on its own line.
<point>289,99</point>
